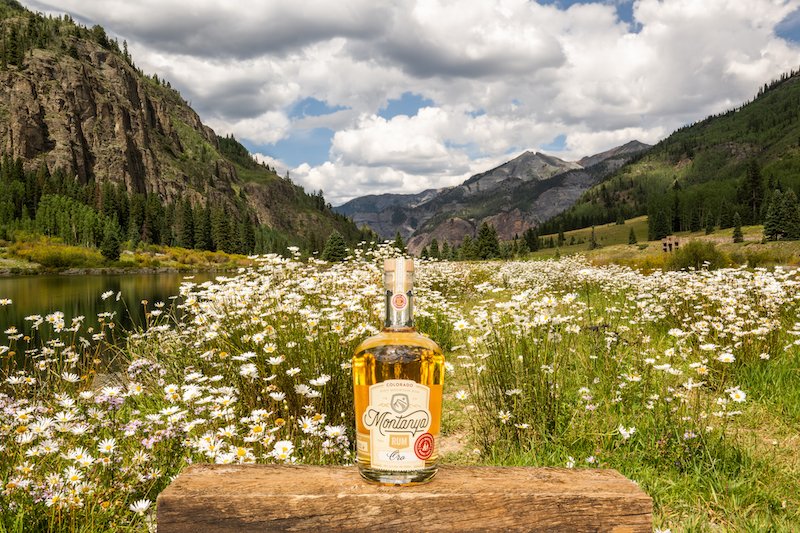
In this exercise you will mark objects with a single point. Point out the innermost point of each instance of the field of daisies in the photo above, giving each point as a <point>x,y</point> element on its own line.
<point>686,382</point>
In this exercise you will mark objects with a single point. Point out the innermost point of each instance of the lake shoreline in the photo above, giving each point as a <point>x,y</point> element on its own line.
<point>97,271</point>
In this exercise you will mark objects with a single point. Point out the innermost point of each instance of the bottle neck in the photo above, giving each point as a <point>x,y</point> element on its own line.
<point>399,310</point>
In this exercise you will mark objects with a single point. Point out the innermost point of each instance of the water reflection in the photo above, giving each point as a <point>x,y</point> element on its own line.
<point>81,296</point>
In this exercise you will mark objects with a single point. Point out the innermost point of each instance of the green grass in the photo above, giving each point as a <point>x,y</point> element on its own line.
<point>614,247</point>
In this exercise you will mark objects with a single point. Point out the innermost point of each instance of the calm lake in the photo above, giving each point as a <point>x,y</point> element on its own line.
<point>77,295</point>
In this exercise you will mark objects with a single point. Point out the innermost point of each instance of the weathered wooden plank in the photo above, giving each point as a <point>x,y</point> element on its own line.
<point>250,498</point>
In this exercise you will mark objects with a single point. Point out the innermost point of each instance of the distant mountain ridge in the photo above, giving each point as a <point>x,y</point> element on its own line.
<point>514,196</point>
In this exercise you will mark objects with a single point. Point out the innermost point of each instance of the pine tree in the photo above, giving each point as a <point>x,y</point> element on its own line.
<point>434,249</point>
<point>487,244</point>
<point>248,236</point>
<point>335,248</point>
<point>752,190</point>
<point>773,227</point>
<point>675,224</point>
<point>202,228</point>
<point>220,230</point>
<point>593,240</point>
<point>695,223</point>
<point>112,240</point>
<point>790,215</point>
<point>632,236</point>
<point>737,228</point>
<point>531,237</point>
<point>467,250</point>
<point>709,223</point>
<point>186,233</point>
<point>398,242</point>
<point>725,217</point>
<point>445,253</point>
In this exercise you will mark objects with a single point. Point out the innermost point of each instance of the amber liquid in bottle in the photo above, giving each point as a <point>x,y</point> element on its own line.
<point>397,378</point>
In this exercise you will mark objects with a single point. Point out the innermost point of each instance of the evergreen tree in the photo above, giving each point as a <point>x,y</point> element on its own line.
<point>487,244</point>
<point>752,191</point>
<point>434,249</point>
<point>790,215</point>
<point>202,229</point>
<point>695,223</point>
<point>425,254</point>
<point>112,240</point>
<point>335,248</point>
<point>773,227</point>
<point>467,250</point>
<point>186,230</point>
<point>632,236</point>
<point>593,240</point>
<point>561,238</point>
<point>658,225</point>
<point>398,242</point>
<point>248,236</point>
<point>675,224</point>
<point>725,216</point>
<point>709,223</point>
<point>220,230</point>
<point>445,253</point>
<point>531,237</point>
<point>522,247</point>
<point>737,228</point>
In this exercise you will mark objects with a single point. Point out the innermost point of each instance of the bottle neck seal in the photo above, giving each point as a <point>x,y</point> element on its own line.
<point>398,282</point>
<point>399,309</point>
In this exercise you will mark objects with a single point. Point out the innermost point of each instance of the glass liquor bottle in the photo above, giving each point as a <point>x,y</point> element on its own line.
<point>397,378</point>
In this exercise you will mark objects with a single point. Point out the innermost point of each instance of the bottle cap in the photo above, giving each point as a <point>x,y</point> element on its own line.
<point>398,263</point>
<point>398,274</point>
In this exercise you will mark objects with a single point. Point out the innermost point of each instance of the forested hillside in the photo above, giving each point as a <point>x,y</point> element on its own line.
<point>704,174</point>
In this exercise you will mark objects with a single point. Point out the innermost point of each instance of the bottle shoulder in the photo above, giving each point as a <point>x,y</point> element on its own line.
<point>399,337</point>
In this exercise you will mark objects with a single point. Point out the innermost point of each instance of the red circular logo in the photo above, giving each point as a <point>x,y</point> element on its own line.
<point>399,301</point>
<point>423,448</point>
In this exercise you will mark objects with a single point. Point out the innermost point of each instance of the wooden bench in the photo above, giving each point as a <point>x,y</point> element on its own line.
<point>250,498</point>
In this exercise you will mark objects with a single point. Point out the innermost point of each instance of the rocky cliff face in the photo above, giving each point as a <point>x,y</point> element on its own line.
<point>387,213</point>
<point>97,117</point>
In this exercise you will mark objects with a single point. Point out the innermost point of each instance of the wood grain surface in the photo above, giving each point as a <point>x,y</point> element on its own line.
<point>250,498</point>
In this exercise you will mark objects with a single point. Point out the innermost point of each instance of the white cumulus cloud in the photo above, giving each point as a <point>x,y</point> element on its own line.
<point>497,77</point>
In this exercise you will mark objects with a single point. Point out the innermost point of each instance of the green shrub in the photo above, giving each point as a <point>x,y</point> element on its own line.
<point>51,254</point>
<point>697,255</point>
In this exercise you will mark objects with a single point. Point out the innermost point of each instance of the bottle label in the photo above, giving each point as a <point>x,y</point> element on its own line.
<point>398,418</point>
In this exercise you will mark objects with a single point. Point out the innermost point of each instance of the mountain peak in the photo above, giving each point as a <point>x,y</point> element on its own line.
<point>616,152</point>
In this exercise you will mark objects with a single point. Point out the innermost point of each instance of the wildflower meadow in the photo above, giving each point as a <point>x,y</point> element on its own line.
<point>686,382</point>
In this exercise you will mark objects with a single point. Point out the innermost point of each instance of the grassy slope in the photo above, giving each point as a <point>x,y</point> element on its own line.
<point>614,247</point>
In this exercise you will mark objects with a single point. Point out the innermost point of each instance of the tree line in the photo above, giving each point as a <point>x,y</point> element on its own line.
<point>90,214</point>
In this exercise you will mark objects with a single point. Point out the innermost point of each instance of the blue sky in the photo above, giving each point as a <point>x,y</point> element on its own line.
<point>361,97</point>
<point>311,145</point>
